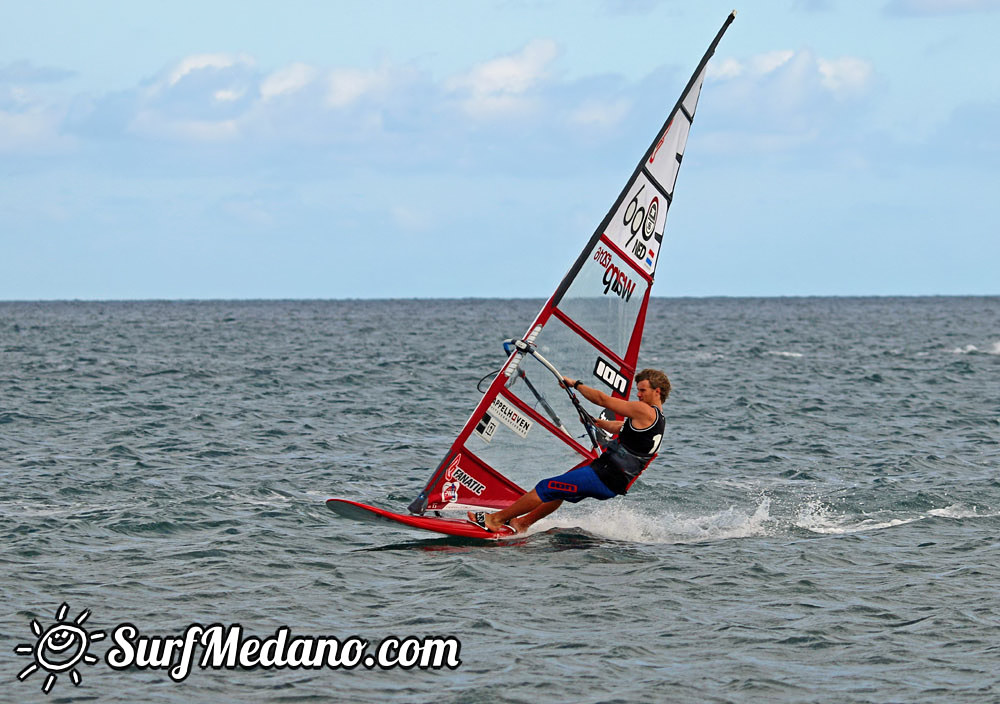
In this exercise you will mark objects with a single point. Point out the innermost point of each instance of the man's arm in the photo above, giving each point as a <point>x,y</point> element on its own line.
<point>612,426</point>
<point>638,411</point>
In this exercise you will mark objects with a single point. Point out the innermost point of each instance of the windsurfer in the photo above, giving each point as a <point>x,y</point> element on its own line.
<point>611,474</point>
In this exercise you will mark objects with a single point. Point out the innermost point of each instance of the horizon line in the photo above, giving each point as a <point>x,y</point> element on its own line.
<point>483,298</point>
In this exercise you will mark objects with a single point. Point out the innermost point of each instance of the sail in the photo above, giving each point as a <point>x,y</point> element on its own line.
<point>527,426</point>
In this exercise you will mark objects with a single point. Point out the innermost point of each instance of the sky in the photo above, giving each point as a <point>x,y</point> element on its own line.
<point>391,149</point>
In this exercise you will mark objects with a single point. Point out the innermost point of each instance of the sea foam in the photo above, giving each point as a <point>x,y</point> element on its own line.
<point>617,520</point>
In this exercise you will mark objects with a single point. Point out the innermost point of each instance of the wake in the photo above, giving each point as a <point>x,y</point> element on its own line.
<point>622,521</point>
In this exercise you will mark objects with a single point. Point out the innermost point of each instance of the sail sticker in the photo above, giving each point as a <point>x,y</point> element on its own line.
<point>469,483</point>
<point>650,223</point>
<point>486,427</point>
<point>639,221</point>
<point>656,150</point>
<point>449,491</point>
<point>456,475</point>
<point>618,279</point>
<point>449,487</point>
<point>607,373</point>
<point>511,417</point>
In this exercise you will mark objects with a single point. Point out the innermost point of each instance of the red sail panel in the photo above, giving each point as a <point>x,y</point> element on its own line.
<point>468,481</point>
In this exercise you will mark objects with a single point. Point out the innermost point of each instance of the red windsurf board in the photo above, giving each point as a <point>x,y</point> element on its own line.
<point>437,524</point>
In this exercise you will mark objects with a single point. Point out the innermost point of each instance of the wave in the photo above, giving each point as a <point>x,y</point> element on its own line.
<point>994,349</point>
<point>816,516</point>
<point>960,511</point>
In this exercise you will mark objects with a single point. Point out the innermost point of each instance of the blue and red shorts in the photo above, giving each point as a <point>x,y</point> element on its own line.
<point>574,485</point>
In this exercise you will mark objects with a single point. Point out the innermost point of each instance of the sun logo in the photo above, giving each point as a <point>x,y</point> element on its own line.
<point>59,648</point>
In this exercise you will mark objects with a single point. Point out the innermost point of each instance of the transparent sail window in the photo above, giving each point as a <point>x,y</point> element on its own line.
<point>605,299</point>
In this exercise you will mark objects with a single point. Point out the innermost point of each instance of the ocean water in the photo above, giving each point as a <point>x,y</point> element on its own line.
<point>821,524</point>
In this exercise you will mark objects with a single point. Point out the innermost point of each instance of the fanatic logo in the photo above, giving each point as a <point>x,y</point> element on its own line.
<point>59,648</point>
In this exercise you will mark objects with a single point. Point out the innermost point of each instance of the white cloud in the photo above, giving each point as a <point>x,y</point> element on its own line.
<point>202,98</point>
<point>515,73</point>
<point>30,120</point>
<point>228,96</point>
<point>198,62</point>
<point>769,61</point>
<point>727,68</point>
<point>846,77</point>
<point>798,74</point>
<point>781,96</point>
<point>504,85</point>
<point>756,66</point>
<point>223,97</point>
<point>348,85</point>
<point>787,100</point>
<point>287,81</point>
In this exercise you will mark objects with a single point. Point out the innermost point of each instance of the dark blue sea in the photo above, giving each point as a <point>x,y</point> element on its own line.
<point>821,524</point>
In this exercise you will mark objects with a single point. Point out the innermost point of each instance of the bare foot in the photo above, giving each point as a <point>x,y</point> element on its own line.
<point>519,524</point>
<point>493,525</point>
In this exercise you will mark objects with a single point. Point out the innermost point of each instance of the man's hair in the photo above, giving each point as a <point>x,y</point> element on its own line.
<point>657,380</point>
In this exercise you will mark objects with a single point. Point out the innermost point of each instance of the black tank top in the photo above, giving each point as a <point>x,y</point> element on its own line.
<point>627,456</point>
<point>645,441</point>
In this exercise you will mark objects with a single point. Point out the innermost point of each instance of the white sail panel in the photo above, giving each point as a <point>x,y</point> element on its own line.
<point>636,228</point>
<point>665,161</point>
<point>690,101</point>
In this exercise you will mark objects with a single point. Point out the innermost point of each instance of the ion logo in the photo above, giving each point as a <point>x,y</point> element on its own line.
<point>611,376</point>
<point>562,486</point>
<point>59,648</point>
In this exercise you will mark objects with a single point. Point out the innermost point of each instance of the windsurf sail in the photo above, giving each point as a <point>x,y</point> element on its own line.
<point>527,424</point>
